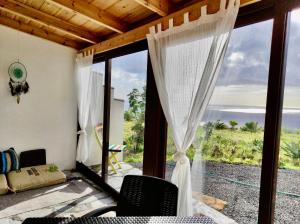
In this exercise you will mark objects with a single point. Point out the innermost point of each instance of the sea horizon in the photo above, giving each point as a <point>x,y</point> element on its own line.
<point>243,114</point>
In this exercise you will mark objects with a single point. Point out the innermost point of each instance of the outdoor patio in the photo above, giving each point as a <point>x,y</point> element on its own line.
<point>115,179</point>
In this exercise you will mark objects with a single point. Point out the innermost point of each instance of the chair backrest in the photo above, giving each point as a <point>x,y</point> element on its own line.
<point>147,196</point>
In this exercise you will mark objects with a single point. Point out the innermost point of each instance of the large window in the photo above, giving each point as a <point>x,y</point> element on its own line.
<point>227,153</point>
<point>288,182</point>
<point>126,93</point>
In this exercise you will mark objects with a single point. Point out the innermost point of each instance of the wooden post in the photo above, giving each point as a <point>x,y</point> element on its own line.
<point>273,117</point>
<point>156,128</point>
<point>106,119</point>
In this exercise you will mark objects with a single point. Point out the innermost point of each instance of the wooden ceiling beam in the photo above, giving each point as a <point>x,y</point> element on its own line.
<point>161,7</point>
<point>141,32</point>
<point>38,32</point>
<point>25,11</point>
<point>93,13</point>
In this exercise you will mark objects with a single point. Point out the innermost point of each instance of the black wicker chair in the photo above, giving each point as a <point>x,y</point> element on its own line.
<point>143,196</point>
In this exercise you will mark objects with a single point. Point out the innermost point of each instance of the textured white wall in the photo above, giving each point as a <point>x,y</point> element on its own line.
<point>46,116</point>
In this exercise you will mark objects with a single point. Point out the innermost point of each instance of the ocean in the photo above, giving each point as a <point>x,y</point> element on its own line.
<point>243,114</point>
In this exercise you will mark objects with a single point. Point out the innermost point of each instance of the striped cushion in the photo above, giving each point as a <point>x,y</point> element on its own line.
<point>9,161</point>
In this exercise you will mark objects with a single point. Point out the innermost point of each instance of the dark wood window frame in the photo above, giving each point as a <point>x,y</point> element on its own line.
<point>155,123</point>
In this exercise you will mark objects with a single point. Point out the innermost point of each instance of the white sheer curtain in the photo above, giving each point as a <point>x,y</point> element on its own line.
<point>84,82</point>
<point>96,116</point>
<point>186,62</point>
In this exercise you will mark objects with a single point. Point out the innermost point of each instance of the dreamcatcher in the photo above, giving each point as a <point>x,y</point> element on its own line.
<point>17,83</point>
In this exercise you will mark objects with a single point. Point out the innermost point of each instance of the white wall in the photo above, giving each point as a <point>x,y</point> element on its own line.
<point>46,116</point>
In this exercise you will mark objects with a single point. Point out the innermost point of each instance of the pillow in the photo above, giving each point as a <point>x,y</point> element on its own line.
<point>3,184</point>
<point>34,157</point>
<point>35,177</point>
<point>9,161</point>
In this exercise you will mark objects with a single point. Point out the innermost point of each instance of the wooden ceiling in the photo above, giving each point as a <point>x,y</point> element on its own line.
<point>82,23</point>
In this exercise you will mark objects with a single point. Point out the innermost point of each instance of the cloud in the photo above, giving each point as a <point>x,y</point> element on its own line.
<point>132,63</point>
<point>295,18</point>
<point>124,81</point>
<point>247,59</point>
<point>235,58</point>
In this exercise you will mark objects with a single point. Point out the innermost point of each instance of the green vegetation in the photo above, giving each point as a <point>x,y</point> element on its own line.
<point>292,150</point>
<point>219,142</point>
<point>233,124</point>
<point>220,125</point>
<point>241,146</point>
<point>250,126</point>
<point>136,115</point>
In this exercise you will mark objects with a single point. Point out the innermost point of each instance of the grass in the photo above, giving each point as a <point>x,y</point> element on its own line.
<point>232,146</point>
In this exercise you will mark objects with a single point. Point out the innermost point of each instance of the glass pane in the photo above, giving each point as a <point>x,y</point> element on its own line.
<point>95,143</point>
<point>127,113</point>
<point>227,152</point>
<point>288,181</point>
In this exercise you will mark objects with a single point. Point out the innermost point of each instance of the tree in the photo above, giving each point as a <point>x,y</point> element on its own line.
<point>128,116</point>
<point>233,124</point>
<point>136,114</point>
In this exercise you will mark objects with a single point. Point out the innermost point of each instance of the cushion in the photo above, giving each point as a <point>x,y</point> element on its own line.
<point>3,184</point>
<point>9,160</point>
<point>33,157</point>
<point>35,177</point>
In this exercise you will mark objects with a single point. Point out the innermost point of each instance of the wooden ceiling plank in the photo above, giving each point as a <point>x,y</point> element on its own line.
<point>36,15</point>
<point>141,32</point>
<point>18,25</point>
<point>161,7</point>
<point>93,13</point>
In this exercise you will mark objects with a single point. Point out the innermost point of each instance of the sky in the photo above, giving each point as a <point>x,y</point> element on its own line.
<point>244,74</point>
<point>128,72</point>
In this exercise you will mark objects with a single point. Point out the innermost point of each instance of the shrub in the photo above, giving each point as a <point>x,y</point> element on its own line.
<point>250,126</point>
<point>292,150</point>
<point>233,124</point>
<point>257,146</point>
<point>220,125</point>
<point>128,116</point>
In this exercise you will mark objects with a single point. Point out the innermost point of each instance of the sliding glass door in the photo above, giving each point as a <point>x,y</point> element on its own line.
<point>127,117</point>
<point>116,146</point>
